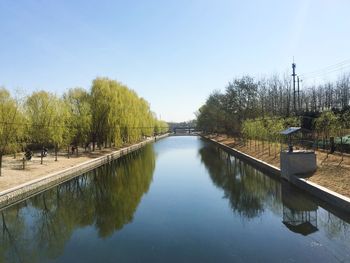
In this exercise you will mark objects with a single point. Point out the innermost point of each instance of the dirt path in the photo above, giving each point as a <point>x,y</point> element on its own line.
<point>14,175</point>
<point>332,172</point>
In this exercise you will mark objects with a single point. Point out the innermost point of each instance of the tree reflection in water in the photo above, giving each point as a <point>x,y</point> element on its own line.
<point>98,204</point>
<point>248,190</point>
<point>105,198</point>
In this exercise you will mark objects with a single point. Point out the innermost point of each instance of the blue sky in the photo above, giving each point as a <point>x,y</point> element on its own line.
<point>172,53</point>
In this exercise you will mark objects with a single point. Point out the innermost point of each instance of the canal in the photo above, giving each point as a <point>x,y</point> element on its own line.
<point>179,200</point>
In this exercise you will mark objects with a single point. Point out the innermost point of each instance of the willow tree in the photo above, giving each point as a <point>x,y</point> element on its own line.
<point>160,127</point>
<point>48,120</point>
<point>130,118</point>
<point>78,104</point>
<point>147,120</point>
<point>61,132</point>
<point>119,115</point>
<point>136,119</point>
<point>11,128</point>
<point>100,109</point>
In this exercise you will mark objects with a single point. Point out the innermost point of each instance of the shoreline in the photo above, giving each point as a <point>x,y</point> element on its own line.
<point>324,194</point>
<point>33,187</point>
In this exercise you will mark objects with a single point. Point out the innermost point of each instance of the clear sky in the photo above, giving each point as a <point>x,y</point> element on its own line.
<point>172,53</point>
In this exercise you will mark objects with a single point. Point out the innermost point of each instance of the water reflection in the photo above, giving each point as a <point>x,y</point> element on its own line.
<point>106,199</point>
<point>183,218</point>
<point>299,212</point>
<point>249,191</point>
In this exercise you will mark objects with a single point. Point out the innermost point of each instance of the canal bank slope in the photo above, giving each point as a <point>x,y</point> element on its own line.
<point>326,195</point>
<point>17,185</point>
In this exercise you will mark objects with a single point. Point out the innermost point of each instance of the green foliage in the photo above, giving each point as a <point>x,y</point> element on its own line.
<point>110,114</point>
<point>328,124</point>
<point>78,104</point>
<point>226,112</point>
<point>248,129</point>
<point>211,116</point>
<point>247,98</point>
<point>275,126</point>
<point>291,122</point>
<point>119,116</point>
<point>267,129</point>
<point>10,115</point>
<point>48,118</point>
<point>161,127</point>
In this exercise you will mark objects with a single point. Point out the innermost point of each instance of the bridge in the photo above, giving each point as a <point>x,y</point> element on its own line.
<point>184,130</point>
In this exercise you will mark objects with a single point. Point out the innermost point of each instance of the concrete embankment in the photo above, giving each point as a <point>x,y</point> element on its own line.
<point>329,197</point>
<point>23,191</point>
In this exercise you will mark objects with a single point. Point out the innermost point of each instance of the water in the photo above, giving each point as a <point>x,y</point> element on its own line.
<point>179,200</point>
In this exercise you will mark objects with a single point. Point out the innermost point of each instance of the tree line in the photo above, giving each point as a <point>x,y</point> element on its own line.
<point>109,114</point>
<point>260,107</point>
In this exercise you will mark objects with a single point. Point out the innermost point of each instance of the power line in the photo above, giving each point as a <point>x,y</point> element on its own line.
<point>340,64</point>
<point>327,70</point>
<point>69,126</point>
<point>325,73</point>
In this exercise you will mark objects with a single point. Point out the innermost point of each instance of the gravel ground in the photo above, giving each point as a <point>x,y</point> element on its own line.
<point>14,175</point>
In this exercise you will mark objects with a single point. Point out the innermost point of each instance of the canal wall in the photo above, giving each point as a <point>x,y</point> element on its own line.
<point>324,194</point>
<point>26,190</point>
<point>259,164</point>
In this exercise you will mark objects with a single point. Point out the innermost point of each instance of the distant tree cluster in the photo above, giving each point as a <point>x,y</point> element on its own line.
<point>247,98</point>
<point>184,124</point>
<point>110,114</point>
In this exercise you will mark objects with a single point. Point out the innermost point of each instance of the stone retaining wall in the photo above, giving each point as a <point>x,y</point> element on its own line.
<point>261,165</point>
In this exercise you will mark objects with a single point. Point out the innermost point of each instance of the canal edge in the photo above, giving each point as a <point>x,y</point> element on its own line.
<point>23,191</point>
<point>326,195</point>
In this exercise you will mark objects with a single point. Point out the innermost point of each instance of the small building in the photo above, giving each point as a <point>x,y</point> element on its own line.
<point>296,162</point>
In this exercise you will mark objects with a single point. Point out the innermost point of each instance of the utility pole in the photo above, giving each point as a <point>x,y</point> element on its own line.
<point>294,102</point>
<point>299,106</point>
